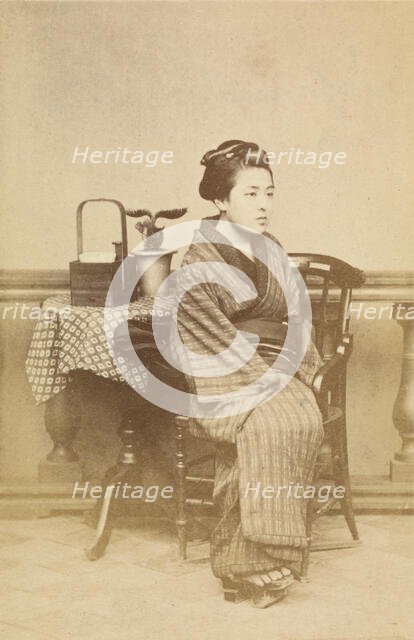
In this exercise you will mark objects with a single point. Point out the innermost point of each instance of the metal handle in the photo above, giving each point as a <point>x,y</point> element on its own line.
<point>79,235</point>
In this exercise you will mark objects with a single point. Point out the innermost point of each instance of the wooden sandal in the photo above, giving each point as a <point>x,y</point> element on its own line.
<point>267,598</point>
<point>234,591</point>
<point>260,597</point>
<point>282,583</point>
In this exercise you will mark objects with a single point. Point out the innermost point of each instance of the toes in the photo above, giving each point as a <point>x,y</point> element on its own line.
<point>255,579</point>
<point>275,575</point>
<point>263,579</point>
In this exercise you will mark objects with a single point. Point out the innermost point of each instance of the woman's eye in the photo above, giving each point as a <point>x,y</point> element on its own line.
<point>271,194</point>
<point>252,193</point>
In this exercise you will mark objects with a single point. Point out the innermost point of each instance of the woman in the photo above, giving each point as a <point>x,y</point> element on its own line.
<point>257,545</point>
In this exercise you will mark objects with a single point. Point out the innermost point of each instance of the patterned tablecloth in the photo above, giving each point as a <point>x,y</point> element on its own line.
<point>67,338</point>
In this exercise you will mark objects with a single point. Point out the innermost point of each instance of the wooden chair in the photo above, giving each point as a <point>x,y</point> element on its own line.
<point>330,282</point>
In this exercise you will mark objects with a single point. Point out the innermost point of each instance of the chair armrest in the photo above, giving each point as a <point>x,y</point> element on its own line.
<point>329,374</point>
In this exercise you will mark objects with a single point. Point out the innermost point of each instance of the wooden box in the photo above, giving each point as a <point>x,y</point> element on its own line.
<point>90,281</point>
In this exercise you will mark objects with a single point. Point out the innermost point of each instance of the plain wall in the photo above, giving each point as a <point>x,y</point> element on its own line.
<point>186,76</point>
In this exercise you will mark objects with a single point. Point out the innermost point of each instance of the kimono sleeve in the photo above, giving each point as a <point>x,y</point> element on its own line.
<point>205,329</point>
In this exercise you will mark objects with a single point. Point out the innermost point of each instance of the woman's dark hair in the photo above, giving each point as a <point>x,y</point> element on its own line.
<point>223,164</point>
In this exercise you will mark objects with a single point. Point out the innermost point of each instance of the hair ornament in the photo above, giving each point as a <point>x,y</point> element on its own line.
<point>229,151</point>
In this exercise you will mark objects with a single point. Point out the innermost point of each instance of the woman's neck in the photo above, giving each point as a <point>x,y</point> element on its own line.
<point>241,238</point>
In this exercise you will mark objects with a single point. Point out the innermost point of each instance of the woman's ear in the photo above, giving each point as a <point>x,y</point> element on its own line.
<point>220,205</point>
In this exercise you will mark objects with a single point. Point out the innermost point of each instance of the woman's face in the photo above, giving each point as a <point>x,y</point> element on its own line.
<point>250,202</point>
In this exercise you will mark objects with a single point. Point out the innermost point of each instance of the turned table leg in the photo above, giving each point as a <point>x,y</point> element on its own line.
<point>62,420</point>
<point>402,466</point>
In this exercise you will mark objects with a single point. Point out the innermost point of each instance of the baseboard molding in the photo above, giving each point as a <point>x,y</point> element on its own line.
<point>36,500</point>
<point>379,493</point>
<point>18,500</point>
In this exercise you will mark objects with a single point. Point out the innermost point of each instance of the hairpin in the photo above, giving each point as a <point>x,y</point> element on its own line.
<point>228,153</point>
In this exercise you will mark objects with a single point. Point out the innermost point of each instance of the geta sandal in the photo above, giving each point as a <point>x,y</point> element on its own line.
<point>238,590</point>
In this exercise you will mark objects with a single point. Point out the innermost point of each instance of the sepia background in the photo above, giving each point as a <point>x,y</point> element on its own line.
<point>184,77</point>
<point>320,77</point>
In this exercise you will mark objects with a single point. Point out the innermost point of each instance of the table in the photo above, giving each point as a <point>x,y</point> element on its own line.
<point>68,339</point>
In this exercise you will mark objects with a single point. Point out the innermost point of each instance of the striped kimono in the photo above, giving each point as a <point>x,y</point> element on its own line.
<point>274,444</point>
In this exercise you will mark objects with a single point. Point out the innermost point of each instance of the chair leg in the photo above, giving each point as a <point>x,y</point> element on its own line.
<point>341,459</point>
<point>306,552</point>
<point>347,509</point>
<point>180,474</point>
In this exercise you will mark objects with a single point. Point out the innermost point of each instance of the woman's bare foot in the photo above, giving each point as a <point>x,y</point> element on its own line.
<point>261,589</point>
<point>275,575</point>
<point>257,579</point>
<point>269,578</point>
<point>278,574</point>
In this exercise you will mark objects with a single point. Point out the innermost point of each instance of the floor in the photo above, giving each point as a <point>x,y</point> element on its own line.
<point>49,591</point>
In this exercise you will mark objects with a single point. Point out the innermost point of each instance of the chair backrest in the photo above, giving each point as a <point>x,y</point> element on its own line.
<point>330,282</point>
